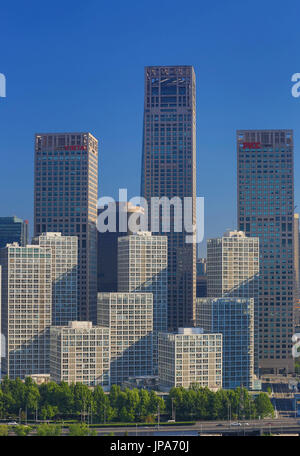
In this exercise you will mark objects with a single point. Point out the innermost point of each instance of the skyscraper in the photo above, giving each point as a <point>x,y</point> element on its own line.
<point>266,210</point>
<point>129,316</point>
<point>142,267</point>
<point>65,201</point>
<point>169,170</point>
<point>107,248</point>
<point>234,319</point>
<point>296,269</point>
<point>13,229</point>
<point>64,275</point>
<point>233,270</point>
<point>26,309</point>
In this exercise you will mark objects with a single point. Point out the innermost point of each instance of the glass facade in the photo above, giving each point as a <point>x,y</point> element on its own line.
<point>65,201</point>
<point>234,319</point>
<point>169,170</point>
<point>13,229</point>
<point>266,210</point>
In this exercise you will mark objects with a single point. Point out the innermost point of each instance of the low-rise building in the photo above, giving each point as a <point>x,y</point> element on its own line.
<point>190,356</point>
<point>80,352</point>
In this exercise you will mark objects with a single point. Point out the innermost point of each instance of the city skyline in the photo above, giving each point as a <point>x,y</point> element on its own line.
<point>230,90</point>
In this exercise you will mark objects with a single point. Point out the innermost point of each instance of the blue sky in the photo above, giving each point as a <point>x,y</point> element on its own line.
<point>80,66</point>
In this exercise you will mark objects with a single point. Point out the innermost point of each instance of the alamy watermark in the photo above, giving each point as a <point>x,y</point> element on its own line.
<point>296,87</point>
<point>2,85</point>
<point>158,215</point>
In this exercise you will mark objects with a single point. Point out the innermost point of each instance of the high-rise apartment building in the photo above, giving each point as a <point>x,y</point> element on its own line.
<point>79,352</point>
<point>107,249</point>
<point>65,201</point>
<point>266,210</point>
<point>26,309</point>
<point>13,229</point>
<point>129,316</point>
<point>64,275</point>
<point>169,170</point>
<point>233,270</point>
<point>234,319</point>
<point>142,267</point>
<point>190,356</point>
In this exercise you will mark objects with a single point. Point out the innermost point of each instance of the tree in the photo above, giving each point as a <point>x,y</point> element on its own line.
<point>264,406</point>
<point>22,430</point>
<point>80,430</point>
<point>32,395</point>
<point>48,412</point>
<point>48,430</point>
<point>3,430</point>
<point>102,407</point>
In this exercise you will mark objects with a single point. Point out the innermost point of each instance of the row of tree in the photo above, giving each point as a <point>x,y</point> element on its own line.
<point>77,401</point>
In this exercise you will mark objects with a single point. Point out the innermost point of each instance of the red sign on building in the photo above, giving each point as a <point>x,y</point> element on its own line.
<point>75,148</point>
<point>251,145</point>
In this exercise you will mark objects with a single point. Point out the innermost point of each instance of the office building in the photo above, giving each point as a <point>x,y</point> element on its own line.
<point>296,272</point>
<point>129,316</point>
<point>65,201</point>
<point>233,270</point>
<point>79,352</point>
<point>64,275</point>
<point>234,319</point>
<point>266,210</point>
<point>26,309</point>
<point>13,229</point>
<point>190,356</point>
<point>107,250</point>
<point>142,267</point>
<point>169,170</point>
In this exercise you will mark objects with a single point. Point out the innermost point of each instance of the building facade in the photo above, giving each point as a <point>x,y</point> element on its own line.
<point>234,319</point>
<point>26,309</point>
<point>13,229</point>
<point>266,210</point>
<point>129,316</point>
<point>142,267</point>
<point>65,201</point>
<point>233,270</point>
<point>169,170</point>
<point>64,275</point>
<point>80,352</point>
<point>190,356</point>
<point>201,279</point>
<point>107,250</point>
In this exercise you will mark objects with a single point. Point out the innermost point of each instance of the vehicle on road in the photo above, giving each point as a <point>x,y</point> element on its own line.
<point>235,424</point>
<point>12,423</point>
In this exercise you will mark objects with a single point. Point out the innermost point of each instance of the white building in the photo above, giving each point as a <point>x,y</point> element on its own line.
<point>190,356</point>
<point>233,271</point>
<point>64,275</point>
<point>142,267</point>
<point>129,316</point>
<point>80,352</point>
<point>26,309</point>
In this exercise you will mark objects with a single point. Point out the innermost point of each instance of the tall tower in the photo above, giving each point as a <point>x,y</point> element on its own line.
<point>64,275</point>
<point>107,248</point>
<point>233,270</point>
<point>169,170</point>
<point>26,307</point>
<point>65,201</point>
<point>265,179</point>
<point>142,267</point>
